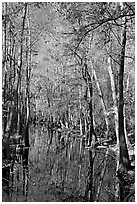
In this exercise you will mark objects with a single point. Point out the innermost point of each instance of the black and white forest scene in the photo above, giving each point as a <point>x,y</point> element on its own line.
<point>68,101</point>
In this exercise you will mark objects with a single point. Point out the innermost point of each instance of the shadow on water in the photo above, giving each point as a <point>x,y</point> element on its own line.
<point>42,172</point>
<point>15,170</point>
<point>46,172</point>
<point>15,177</point>
<point>5,184</point>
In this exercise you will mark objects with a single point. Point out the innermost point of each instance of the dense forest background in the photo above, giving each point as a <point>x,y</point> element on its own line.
<point>68,101</point>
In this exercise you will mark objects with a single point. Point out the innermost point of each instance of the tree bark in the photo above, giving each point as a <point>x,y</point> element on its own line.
<point>114,95</point>
<point>102,100</point>
<point>92,136</point>
<point>20,60</point>
<point>115,109</point>
<point>124,163</point>
<point>124,157</point>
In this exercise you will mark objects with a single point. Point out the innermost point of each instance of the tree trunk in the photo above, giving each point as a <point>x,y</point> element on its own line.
<point>102,100</point>
<point>20,60</point>
<point>114,95</point>
<point>81,133</point>
<point>124,157</point>
<point>92,136</point>
<point>124,112</point>
<point>27,99</point>
<point>115,109</point>
<point>124,162</point>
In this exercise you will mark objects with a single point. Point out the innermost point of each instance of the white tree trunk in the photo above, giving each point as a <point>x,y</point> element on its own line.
<point>101,99</point>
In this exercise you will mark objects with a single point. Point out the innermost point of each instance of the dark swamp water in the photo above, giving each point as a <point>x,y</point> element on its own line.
<point>44,177</point>
<point>54,172</point>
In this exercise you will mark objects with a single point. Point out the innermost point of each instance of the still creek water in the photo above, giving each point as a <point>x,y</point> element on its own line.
<point>52,175</point>
<point>45,176</point>
<point>19,178</point>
